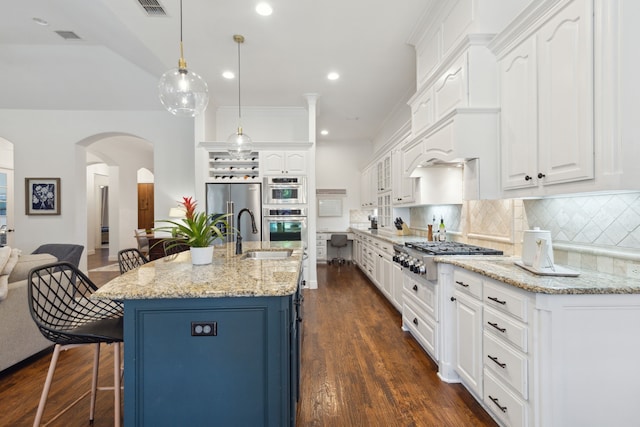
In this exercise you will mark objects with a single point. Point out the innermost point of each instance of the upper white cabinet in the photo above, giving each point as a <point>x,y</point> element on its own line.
<point>546,85</point>
<point>439,35</point>
<point>368,187</point>
<point>569,88</point>
<point>383,168</point>
<point>403,186</point>
<point>283,162</point>
<point>565,113</point>
<point>519,118</point>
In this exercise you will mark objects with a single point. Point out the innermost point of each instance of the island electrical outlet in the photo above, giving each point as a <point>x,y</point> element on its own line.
<point>204,329</point>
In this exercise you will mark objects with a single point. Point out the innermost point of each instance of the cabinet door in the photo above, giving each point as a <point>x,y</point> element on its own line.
<point>296,162</point>
<point>450,91</point>
<point>468,340</point>
<point>411,157</point>
<point>396,285</point>
<point>565,61</point>
<point>402,187</point>
<point>519,124</point>
<point>272,163</point>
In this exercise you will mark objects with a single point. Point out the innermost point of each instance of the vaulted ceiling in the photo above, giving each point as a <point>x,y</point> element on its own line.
<point>122,51</point>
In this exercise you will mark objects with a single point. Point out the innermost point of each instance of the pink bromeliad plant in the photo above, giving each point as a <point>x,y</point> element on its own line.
<point>197,229</point>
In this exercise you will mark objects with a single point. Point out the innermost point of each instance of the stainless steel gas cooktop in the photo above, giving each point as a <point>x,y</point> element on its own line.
<point>451,248</point>
<point>418,257</point>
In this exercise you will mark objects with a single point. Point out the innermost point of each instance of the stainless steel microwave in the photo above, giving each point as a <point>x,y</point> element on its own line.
<point>280,190</point>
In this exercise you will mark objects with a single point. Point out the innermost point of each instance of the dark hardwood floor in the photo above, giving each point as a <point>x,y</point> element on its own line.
<point>358,368</point>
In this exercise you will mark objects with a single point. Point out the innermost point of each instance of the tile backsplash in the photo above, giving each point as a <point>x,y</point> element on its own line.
<point>596,232</point>
<point>604,220</point>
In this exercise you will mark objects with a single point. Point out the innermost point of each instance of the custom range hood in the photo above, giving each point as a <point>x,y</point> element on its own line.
<point>466,137</point>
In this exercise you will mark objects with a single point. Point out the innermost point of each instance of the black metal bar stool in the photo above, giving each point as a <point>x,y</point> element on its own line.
<point>60,305</point>
<point>131,258</point>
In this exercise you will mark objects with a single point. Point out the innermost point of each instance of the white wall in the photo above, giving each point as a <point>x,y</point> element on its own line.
<point>51,144</point>
<point>264,124</point>
<point>338,165</point>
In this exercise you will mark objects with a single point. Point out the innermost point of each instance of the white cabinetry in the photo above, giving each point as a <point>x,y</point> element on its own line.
<point>547,102</point>
<point>420,312</point>
<point>374,257</point>
<point>542,359</point>
<point>403,186</point>
<point>397,277</point>
<point>368,191</point>
<point>468,329</point>
<point>321,246</point>
<point>383,167</point>
<point>505,353</point>
<point>283,162</point>
<point>519,116</point>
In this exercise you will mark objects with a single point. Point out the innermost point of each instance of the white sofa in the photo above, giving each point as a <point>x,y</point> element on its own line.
<point>19,336</point>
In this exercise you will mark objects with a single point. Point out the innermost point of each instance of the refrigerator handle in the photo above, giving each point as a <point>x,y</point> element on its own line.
<point>231,210</point>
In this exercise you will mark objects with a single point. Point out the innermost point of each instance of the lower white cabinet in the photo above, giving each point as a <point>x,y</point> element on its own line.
<point>397,277</point>
<point>374,258</point>
<point>321,246</point>
<point>537,359</point>
<point>420,312</point>
<point>468,341</point>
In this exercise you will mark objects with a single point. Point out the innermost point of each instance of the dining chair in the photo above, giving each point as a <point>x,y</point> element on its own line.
<point>60,305</point>
<point>130,258</point>
<point>143,240</point>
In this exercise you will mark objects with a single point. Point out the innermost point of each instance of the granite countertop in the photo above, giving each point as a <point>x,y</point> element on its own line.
<point>229,275</point>
<point>388,236</point>
<point>503,268</point>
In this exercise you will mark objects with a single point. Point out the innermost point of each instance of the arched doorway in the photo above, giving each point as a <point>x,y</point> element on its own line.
<point>114,163</point>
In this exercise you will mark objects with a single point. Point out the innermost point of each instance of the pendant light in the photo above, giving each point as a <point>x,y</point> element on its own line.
<point>239,144</point>
<point>183,92</point>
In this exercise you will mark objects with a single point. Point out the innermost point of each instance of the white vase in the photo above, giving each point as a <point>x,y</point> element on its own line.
<point>201,256</point>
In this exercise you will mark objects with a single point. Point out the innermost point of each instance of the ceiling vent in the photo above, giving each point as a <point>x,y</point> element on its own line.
<point>68,35</point>
<point>152,7</point>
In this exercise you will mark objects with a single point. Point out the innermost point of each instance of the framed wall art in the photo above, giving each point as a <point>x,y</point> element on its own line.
<point>42,196</point>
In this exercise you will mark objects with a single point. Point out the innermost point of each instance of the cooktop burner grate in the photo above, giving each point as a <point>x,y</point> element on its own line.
<point>451,248</point>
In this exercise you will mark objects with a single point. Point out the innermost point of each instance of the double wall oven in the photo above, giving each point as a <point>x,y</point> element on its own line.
<point>285,190</point>
<point>282,224</point>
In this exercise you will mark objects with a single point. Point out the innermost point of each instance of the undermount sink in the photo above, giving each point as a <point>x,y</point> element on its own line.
<point>270,254</point>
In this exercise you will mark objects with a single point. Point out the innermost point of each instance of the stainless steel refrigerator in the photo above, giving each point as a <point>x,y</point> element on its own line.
<point>232,198</point>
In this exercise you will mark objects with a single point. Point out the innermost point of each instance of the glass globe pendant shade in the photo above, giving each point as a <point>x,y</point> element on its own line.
<point>183,92</point>
<point>239,144</point>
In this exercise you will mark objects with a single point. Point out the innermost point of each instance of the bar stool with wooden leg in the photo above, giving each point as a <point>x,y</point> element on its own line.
<point>60,304</point>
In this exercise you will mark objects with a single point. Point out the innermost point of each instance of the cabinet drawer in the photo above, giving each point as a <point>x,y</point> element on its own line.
<point>506,328</point>
<point>508,364</point>
<point>468,283</point>
<point>321,253</point>
<point>421,327</point>
<point>499,296</point>
<point>507,407</point>
<point>322,236</point>
<point>424,294</point>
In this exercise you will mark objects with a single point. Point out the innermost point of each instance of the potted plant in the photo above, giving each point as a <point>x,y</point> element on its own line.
<point>198,230</point>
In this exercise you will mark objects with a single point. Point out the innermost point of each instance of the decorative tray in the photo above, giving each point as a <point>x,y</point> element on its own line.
<point>556,270</point>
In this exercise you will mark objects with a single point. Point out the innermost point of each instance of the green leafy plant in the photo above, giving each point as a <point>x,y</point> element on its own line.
<point>197,229</point>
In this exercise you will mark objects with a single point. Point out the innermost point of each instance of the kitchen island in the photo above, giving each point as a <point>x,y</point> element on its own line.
<point>213,344</point>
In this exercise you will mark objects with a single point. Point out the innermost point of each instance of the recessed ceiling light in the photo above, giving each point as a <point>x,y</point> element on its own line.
<point>333,76</point>
<point>228,75</point>
<point>324,132</point>
<point>40,21</point>
<point>264,9</point>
